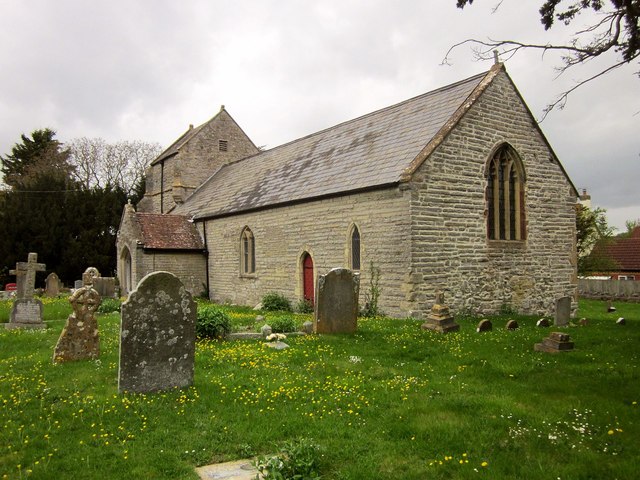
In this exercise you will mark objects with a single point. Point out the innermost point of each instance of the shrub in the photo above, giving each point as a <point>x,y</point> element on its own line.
<point>298,459</point>
<point>304,306</point>
<point>371,297</point>
<point>109,305</point>
<point>276,302</point>
<point>282,324</point>
<point>212,323</point>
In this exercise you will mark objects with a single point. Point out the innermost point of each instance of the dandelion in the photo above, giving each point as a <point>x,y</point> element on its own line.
<point>484,464</point>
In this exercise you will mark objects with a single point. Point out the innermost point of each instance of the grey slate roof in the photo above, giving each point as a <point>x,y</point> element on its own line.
<point>373,150</point>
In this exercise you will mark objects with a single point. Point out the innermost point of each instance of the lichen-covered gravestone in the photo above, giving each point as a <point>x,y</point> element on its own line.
<point>563,311</point>
<point>157,336</point>
<point>79,339</point>
<point>26,311</point>
<point>337,302</point>
<point>53,284</point>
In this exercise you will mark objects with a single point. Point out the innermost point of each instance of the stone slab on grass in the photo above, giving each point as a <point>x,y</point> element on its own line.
<point>237,470</point>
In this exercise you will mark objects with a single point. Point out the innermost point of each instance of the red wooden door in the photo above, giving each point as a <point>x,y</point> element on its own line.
<point>307,278</point>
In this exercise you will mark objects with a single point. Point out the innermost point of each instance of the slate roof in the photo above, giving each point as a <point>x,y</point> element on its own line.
<point>174,148</point>
<point>626,251</point>
<point>377,149</point>
<point>168,232</point>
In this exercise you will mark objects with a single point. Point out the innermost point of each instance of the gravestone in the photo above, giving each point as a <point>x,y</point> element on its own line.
<point>53,285</point>
<point>105,286</point>
<point>26,311</point>
<point>157,335</point>
<point>563,311</point>
<point>92,273</point>
<point>337,302</point>
<point>79,339</point>
<point>543,323</point>
<point>440,319</point>
<point>554,343</point>
<point>307,327</point>
<point>512,325</point>
<point>77,284</point>
<point>484,326</point>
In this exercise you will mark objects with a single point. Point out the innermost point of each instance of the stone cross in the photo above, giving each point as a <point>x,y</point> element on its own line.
<point>25,273</point>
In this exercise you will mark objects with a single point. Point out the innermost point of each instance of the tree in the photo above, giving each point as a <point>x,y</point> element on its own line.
<point>36,158</point>
<point>48,211</point>
<point>615,36</point>
<point>592,229</point>
<point>122,164</point>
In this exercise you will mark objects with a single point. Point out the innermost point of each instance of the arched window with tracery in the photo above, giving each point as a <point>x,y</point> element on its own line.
<point>355,248</point>
<point>248,249</point>
<point>505,196</point>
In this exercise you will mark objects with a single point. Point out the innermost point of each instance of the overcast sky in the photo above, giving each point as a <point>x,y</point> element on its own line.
<point>145,70</point>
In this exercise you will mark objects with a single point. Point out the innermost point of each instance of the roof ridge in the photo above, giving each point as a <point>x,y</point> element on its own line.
<point>374,112</point>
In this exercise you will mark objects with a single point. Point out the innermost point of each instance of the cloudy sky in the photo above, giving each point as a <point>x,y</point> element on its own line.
<point>145,70</point>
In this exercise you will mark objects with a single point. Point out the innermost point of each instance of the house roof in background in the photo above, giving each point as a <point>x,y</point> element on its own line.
<point>371,151</point>
<point>625,251</point>
<point>168,232</point>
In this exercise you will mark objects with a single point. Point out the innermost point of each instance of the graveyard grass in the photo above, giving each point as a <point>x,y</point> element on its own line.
<point>391,401</point>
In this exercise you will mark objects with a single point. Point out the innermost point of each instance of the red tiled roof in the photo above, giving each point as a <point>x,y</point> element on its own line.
<point>625,251</point>
<point>168,232</point>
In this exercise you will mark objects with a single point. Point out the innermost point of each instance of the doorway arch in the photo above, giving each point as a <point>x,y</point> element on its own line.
<point>308,291</point>
<point>127,274</point>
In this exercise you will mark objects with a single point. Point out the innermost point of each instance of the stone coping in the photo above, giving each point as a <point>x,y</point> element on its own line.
<point>236,470</point>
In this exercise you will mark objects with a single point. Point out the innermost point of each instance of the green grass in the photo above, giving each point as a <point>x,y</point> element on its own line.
<point>391,402</point>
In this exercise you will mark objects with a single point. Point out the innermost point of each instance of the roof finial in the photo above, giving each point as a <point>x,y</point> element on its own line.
<point>221,107</point>
<point>191,126</point>
<point>496,57</point>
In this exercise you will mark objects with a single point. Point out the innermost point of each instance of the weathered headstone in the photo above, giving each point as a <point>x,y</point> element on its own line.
<point>440,319</point>
<point>337,302</point>
<point>91,273</point>
<point>79,339</point>
<point>26,311</point>
<point>563,311</point>
<point>266,330</point>
<point>307,327</point>
<point>554,343</point>
<point>78,284</point>
<point>105,286</point>
<point>512,325</point>
<point>543,323</point>
<point>485,325</point>
<point>157,335</point>
<point>53,285</point>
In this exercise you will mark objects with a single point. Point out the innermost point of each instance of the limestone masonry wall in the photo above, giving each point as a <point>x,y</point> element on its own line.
<point>450,249</point>
<point>321,228</point>
<point>196,161</point>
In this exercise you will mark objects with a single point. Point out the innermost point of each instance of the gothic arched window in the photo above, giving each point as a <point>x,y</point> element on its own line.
<point>248,249</point>
<point>505,196</point>
<point>355,248</point>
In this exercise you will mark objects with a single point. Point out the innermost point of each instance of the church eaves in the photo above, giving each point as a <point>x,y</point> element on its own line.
<point>376,150</point>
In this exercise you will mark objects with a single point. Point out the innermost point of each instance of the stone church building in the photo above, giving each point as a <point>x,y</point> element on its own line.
<point>456,190</point>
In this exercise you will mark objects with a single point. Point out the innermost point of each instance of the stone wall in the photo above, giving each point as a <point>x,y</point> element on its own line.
<point>322,229</point>
<point>196,161</point>
<point>450,249</point>
<point>189,267</point>
<point>609,289</point>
